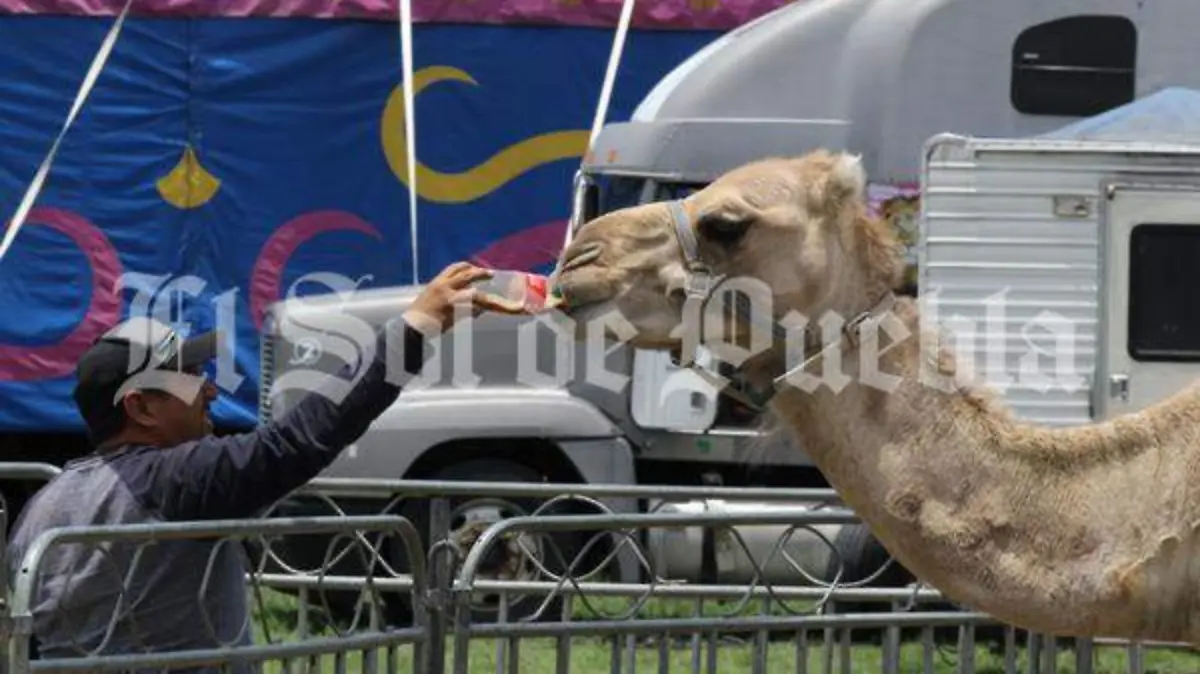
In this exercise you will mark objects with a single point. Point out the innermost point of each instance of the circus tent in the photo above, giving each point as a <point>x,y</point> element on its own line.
<point>246,143</point>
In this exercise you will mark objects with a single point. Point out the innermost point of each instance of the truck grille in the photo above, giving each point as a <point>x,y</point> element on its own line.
<point>266,368</point>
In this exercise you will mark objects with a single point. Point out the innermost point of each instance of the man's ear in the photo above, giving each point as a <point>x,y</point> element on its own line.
<point>138,408</point>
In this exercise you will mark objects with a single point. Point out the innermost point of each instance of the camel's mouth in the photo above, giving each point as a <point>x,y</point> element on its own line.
<point>584,290</point>
<point>611,276</point>
<point>580,282</point>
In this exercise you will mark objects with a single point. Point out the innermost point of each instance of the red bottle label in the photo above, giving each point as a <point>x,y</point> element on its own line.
<point>535,290</point>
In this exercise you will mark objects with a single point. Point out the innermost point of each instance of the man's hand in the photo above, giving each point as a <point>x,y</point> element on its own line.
<point>449,297</point>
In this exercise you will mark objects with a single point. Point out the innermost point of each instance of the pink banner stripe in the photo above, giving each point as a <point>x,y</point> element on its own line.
<point>649,14</point>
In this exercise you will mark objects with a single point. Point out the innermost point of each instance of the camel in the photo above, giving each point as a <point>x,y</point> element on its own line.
<point>1079,531</point>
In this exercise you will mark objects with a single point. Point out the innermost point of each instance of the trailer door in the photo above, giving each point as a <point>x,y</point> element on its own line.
<point>1151,279</point>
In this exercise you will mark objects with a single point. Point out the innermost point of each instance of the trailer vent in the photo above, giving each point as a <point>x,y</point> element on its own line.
<point>1077,66</point>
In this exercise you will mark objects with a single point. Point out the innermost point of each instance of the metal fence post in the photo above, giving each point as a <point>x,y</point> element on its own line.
<point>17,635</point>
<point>1084,661</point>
<point>437,600</point>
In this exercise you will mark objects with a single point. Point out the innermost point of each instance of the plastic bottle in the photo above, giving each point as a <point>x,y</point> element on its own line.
<point>530,292</point>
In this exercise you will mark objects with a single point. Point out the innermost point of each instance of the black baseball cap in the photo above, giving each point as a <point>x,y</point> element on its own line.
<point>140,353</point>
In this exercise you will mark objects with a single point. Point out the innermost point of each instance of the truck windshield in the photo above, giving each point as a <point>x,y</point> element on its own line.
<point>610,193</point>
<point>617,192</point>
<point>668,191</point>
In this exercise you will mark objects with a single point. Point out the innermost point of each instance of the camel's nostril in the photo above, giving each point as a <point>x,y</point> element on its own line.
<point>585,255</point>
<point>678,295</point>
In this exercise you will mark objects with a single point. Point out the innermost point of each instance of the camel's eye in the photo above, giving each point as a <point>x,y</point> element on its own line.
<point>723,229</point>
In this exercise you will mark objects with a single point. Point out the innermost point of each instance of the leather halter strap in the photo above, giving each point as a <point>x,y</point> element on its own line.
<point>699,284</point>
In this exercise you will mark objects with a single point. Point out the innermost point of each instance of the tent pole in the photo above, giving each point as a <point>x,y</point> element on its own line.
<point>606,87</point>
<point>410,126</point>
<point>85,90</point>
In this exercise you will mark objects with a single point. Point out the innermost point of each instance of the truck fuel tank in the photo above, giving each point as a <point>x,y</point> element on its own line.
<point>785,554</point>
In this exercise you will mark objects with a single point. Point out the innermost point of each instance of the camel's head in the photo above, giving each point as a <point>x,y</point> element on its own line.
<point>795,228</point>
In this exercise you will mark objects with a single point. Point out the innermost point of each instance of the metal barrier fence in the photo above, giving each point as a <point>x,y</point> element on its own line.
<point>91,656</point>
<point>595,589</point>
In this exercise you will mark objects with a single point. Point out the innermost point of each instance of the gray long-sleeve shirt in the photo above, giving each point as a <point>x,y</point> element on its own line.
<point>168,605</point>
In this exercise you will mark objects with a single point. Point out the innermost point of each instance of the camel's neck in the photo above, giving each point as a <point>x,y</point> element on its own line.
<point>1004,516</point>
<point>904,446</point>
<point>872,398</point>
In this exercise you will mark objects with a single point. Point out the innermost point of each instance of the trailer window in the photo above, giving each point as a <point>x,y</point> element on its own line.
<point>1077,66</point>
<point>1164,308</point>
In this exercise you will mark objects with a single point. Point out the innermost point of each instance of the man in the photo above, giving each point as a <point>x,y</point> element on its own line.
<point>145,401</point>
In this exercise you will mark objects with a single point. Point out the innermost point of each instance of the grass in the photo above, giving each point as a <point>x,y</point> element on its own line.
<point>731,654</point>
<point>594,657</point>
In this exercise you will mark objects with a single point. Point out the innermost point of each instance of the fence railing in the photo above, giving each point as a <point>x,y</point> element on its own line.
<point>236,649</point>
<point>465,578</point>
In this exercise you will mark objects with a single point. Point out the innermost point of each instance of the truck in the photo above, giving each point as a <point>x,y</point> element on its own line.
<point>874,77</point>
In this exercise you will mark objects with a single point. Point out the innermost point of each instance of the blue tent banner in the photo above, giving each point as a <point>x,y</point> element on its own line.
<point>249,152</point>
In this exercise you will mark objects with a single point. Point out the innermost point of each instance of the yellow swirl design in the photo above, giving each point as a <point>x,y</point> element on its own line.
<point>499,169</point>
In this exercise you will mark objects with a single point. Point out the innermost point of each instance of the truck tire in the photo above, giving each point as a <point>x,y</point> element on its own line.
<point>469,517</point>
<point>308,554</point>
<point>862,556</point>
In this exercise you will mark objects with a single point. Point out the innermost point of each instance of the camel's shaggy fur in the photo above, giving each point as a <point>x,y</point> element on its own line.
<point>1083,531</point>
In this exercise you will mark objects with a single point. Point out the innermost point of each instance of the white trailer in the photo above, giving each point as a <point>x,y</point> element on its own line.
<point>1068,263</point>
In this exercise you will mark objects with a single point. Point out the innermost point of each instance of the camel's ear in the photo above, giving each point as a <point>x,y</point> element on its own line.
<point>841,181</point>
<point>848,179</point>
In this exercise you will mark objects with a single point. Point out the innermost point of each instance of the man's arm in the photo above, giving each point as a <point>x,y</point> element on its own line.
<point>239,475</point>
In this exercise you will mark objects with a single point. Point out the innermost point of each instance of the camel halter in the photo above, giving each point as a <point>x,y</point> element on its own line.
<point>699,284</point>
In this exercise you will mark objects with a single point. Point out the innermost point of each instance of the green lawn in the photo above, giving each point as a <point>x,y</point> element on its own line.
<point>594,655</point>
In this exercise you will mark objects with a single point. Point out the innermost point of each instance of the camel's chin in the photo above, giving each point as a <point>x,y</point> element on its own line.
<point>585,314</point>
<point>606,319</point>
<point>591,319</point>
<point>651,344</point>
